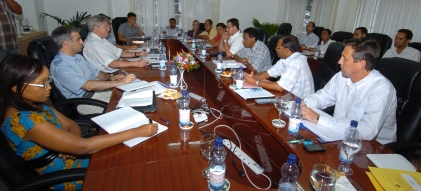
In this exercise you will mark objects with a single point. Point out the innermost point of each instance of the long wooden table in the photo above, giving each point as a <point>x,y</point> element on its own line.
<point>153,165</point>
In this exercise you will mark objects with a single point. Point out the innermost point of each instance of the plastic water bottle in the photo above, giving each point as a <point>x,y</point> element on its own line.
<point>173,74</point>
<point>203,49</point>
<point>148,47</point>
<point>316,51</point>
<point>217,166</point>
<point>295,118</point>
<point>193,43</point>
<point>353,132</point>
<point>184,108</point>
<point>290,173</point>
<point>154,35</point>
<point>240,78</point>
<point>220,57</point>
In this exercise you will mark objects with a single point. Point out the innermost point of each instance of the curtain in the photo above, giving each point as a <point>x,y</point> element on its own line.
<point>394,15</point>
<point>322,11</point>
<point>295,16</point>
<point>198,10</point>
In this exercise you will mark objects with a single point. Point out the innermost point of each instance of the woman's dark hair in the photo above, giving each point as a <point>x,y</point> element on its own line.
<point>16,71</point>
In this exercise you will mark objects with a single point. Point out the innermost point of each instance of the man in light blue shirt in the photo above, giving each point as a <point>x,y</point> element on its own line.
<point>309,39</point>
<point>75,77</point>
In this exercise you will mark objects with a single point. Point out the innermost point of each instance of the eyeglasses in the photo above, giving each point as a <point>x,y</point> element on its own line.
<point>228,27</point>
<point>50,79</point>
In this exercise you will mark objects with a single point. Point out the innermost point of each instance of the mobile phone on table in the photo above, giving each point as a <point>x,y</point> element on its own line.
<point>265,100</point>
<point>314,148</point>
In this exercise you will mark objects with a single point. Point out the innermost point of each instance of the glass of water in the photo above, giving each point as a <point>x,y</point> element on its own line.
<point>207,142</point>
<point>234,77</point>
<point>323,177</point>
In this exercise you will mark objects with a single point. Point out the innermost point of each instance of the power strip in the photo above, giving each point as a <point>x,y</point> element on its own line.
<point>197,97</point>
<point>256,168</point>
<point>262,153</point>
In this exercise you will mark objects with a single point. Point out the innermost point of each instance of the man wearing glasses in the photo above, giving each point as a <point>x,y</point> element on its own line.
<point>232,40</point>
<point>77,78</point>
<point>293,68</point>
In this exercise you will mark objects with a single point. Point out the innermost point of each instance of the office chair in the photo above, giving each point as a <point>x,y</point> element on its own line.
<point>318,31</point>
<point>83,29</point>
<point>405,76</point>
<point>340,36</point>
<point>17,175</point>
<point>116,22</point>
<point>202,26</point>
<point>284,29</point>
<point>384,41</point>
<point>262,35</point>
<point>273,55</point>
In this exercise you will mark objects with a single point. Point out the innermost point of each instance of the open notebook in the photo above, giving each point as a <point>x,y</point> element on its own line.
<point>123,119</point>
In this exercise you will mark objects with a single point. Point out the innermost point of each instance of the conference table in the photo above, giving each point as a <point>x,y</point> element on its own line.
<point>158,165</point>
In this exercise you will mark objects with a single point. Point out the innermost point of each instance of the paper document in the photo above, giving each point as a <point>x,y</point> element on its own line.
<point>159,87</point>
<point>392,161</point>
<point>136,98</point>
<point>230,64</point>
<point>391,179</point>
<point>326,133</point>
<point>134,86</point>
<point>249,94</point>
<point>123,119</point>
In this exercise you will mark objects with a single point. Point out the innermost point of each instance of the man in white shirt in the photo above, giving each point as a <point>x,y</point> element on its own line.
<point>172,29</point>
<point>101,53</point>
<point>232,40</point>
<point>309,39</point>
<point>359,93</point>
<point>293,68</point>
<point>401,48</point>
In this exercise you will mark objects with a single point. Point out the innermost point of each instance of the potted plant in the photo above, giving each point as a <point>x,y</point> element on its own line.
<point>76,18</point>
<point>270,28</point>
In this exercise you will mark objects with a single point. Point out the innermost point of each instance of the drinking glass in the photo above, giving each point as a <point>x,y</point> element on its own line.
<point>280,106</point>
<point>207,142</point>
<point>323,177</point>
<point>351,144</point>
<point>234,77</point>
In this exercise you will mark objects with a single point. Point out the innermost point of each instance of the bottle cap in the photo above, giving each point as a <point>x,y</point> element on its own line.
<point>298,100</point>
<point>218,141</point>
<point>183,92</point>
<point>241,67</point>
<point>292,159</point>
<point>354,123</point>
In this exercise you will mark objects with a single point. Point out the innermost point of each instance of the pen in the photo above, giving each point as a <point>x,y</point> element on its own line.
<point>124,72</point>
<point>165,121</point>
<point>162,84</point>
<point>150,121</point>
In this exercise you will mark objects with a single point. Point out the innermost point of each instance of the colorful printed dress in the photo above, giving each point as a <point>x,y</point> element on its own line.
<point>15,128</point>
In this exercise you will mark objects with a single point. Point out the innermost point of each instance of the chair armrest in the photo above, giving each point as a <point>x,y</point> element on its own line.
<point>403,146</point>
<point>51,179</point>
<point>85,101</point>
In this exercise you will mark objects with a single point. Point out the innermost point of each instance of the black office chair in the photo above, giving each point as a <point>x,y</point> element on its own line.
<point>262,35</point>
<point>17,175</point>
<point>116,22</point>
<point>405,77</point>
<point>44,49</point>
<point>416,45</point>
<point>83,29</point>
<point>202,26</point>
<point>340,36</point>
<point>384,41</point>
<point>273,55</point>
<point>284,29</point>
<point>318,31</point>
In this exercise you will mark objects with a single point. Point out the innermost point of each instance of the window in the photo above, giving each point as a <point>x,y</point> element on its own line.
<point>307,16</point>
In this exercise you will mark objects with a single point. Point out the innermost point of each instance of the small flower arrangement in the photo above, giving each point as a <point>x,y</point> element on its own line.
<point>185,61</point>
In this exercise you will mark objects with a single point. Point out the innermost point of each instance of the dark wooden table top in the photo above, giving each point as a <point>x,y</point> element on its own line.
<point>154,165</point>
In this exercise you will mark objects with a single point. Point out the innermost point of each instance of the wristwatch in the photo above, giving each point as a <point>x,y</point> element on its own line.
<point>110,76</point>
<point>225,40</point>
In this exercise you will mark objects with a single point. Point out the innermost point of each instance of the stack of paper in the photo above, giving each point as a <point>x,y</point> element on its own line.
<point>136,98</point>
<point>326,133</point>
<point>250,94</point>
<point>390,179</point>
<point>392,161</point>
<point>230,64</point>
<point>135,85</point>
<point>123,119</point>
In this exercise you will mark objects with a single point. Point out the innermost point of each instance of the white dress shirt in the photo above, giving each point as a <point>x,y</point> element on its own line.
<point>309,40</point>
<point>371,101</point>
<point>236,42</point>
<point>407,53</point>
<point>100,52</point>
<point>323,47</point>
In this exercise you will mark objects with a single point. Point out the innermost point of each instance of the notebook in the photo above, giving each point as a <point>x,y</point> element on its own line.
<point>392,161</point>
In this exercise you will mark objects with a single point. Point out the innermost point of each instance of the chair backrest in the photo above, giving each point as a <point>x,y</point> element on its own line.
<point>340,36</point>
<point>272,45</point>
<point>43,49</point>
<point>14,169</point>
<point>262,35</point>
<point>284,29</point>
<point>116,22</point>
<point>83,30</point>
<point>329,66</point>
<point>416,45</point>
<point>318,31</point>
<point>405,74</point>
<point>384,41</point>
<point>202,26</point>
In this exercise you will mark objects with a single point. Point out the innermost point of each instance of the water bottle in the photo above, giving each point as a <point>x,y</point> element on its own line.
<point>220,57</point>
<point>354,130</point>
<point>290,173</point>
<point>184,108</point>
<point>217,166</point>
<point>316,51</point>
<point>295,118</point>
<point>148,47</point>
<point>154,34</point>
<point>203,49</point>
<point>193,43</point>
<point>162,65</point>
<point>240,78</point>
<point>173,74</point>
